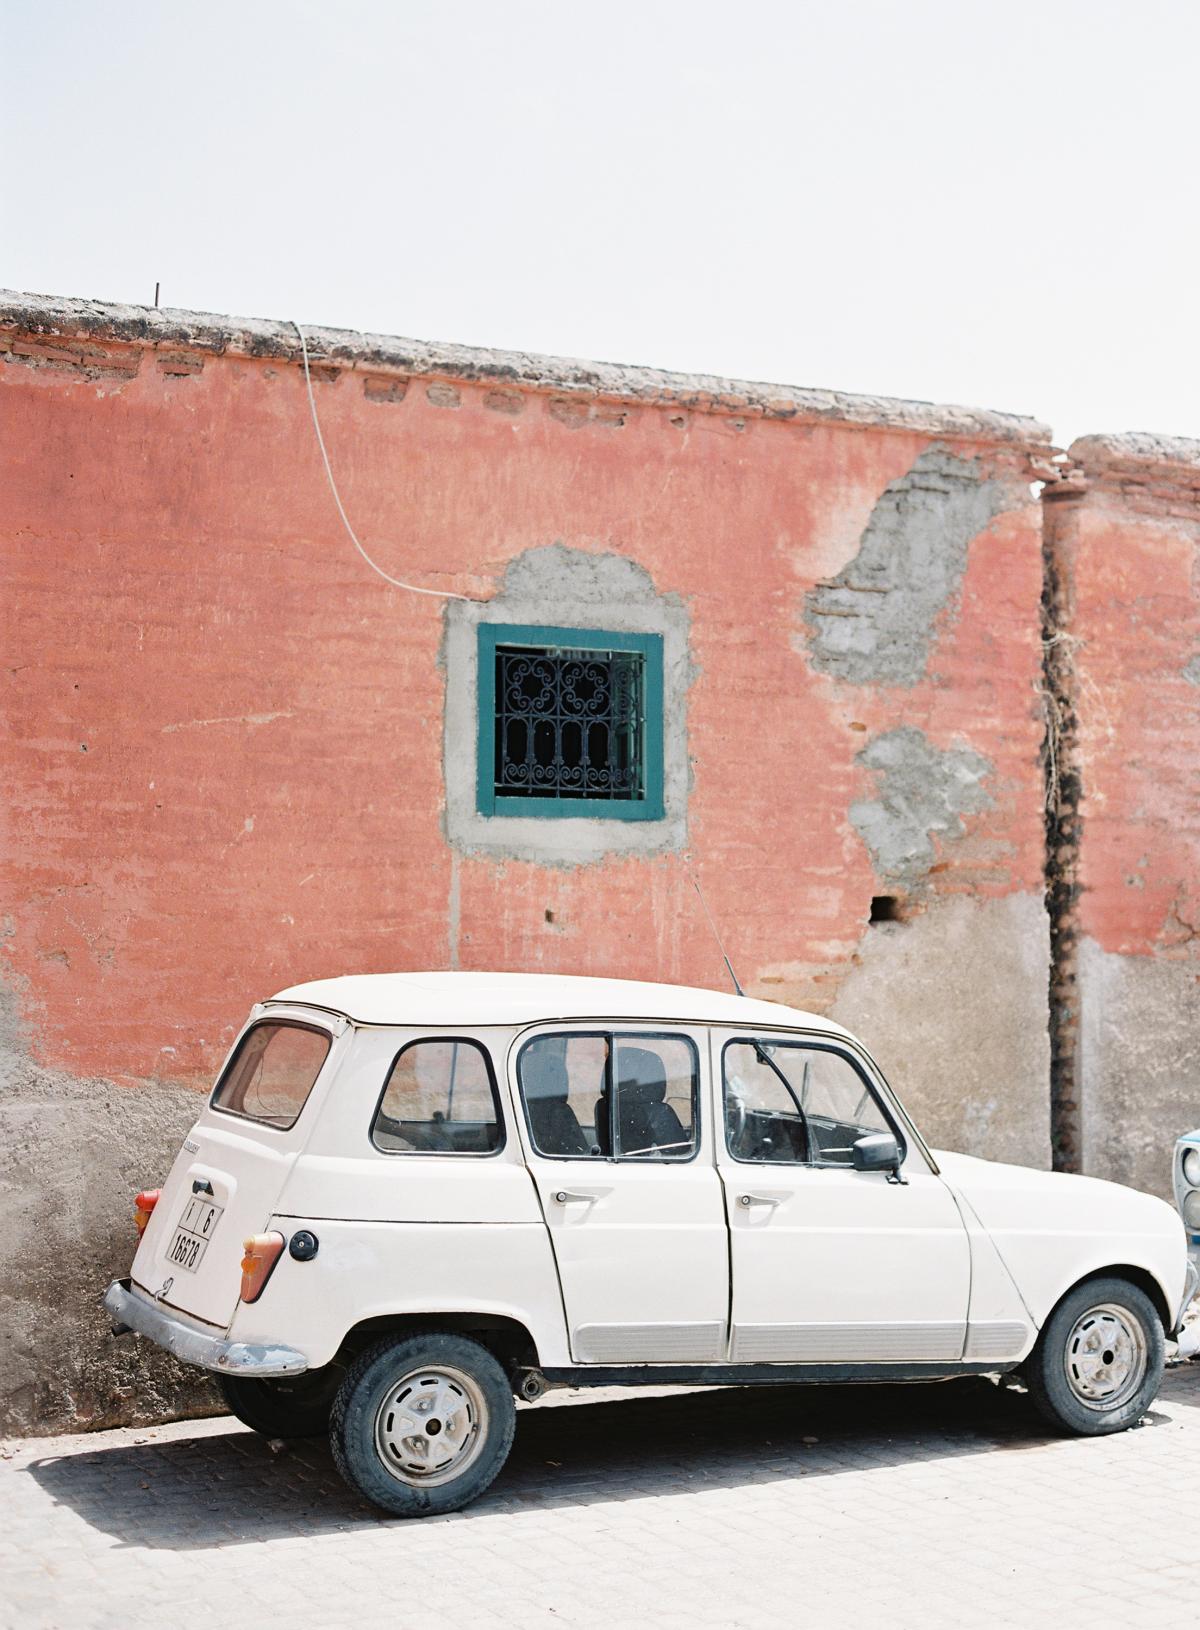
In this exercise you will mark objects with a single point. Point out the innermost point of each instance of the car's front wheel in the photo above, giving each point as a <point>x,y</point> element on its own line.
<point>421,1425</point>
<point>1098,1364</point>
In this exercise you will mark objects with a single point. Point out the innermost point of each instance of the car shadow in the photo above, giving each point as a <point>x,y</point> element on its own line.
<point>229,1487</point>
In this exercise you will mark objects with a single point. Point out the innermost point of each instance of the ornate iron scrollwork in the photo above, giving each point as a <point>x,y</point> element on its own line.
<point>569,724</point>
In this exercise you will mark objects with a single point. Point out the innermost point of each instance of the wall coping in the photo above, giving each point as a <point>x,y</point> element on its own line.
<point>1133,450</point>
<point>66,318</point>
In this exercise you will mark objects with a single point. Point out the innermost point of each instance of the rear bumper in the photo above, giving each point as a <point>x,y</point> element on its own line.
<point>133,1311</point>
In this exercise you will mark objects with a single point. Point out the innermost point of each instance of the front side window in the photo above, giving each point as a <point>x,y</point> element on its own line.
<point>792,1103</point>
<point>440,1098</point>
<point>570,722</point>
<point>603,1095</point>
<point>271,1074</point>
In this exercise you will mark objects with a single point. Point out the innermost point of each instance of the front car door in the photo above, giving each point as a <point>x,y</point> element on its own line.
<point>623,1162</point>
<point>830,1265</point>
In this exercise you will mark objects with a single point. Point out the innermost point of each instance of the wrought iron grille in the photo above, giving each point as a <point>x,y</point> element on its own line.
<point>569,723</point>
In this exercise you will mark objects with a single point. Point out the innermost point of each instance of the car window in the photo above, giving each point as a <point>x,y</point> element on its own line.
<point>604,1095</point>
<point>271,1074</point>
<point>792,1103</point>
<point>440,1098</point>
<point>655,1080</point>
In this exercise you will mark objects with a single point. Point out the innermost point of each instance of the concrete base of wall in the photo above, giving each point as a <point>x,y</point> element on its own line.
<point>954,1007</point>
<point>72,1156</point>
<point>1139,1062</point>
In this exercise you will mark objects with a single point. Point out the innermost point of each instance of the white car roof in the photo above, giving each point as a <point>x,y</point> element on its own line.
<point>523,998</point>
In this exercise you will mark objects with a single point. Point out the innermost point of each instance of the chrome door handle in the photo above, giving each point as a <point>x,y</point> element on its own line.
<point>748,1200</point>
<point>565,1196</point>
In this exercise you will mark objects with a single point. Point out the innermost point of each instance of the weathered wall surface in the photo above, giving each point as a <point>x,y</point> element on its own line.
<point>234,761</point>
<point>1124,535</point>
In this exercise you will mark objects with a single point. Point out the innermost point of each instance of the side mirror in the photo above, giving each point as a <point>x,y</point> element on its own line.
<point>877,1152</point>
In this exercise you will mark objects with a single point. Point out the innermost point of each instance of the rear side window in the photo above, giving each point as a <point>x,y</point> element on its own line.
<point>440,1099</point>
<point>271,1074</point>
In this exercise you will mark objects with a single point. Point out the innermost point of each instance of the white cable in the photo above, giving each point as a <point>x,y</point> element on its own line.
<point>438,594</point>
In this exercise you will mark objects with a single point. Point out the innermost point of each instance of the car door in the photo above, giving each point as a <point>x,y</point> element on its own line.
<point>623,1165</point>
<point>830,1265</point>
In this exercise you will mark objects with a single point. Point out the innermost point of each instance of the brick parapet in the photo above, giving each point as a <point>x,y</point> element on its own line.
<point>1139,470</point>
<point>58,322</point>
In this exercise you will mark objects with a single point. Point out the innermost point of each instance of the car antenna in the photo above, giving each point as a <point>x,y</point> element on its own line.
<point>713,926</point>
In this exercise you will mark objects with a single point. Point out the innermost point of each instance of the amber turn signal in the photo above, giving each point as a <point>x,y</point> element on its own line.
<point>143,1205</point>
<point>262,1252</point>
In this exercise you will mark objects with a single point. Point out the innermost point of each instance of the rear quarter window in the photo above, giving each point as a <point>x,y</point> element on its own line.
<point>439,1098</point>
<point>272,1072</point>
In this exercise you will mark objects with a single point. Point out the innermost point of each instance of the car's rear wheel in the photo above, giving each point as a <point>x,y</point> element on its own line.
<point>1098,1364</point>
<point>422,1425</point>
<point>293,1406</point>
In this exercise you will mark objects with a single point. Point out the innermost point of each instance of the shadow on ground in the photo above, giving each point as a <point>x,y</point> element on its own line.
<point>229,1487</point>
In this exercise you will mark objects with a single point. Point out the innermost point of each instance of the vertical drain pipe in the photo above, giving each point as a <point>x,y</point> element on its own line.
<point>1063,773</point>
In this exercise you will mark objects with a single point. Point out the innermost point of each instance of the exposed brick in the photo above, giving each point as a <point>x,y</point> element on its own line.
<point>179,364</point>
<point>443,395</point>
<point>384,388</point>
<point>511,402</point>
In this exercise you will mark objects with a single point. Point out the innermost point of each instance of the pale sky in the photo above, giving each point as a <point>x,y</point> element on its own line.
<point>956,200</point>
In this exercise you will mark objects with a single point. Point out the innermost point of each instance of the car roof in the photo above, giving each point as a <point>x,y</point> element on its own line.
<point>524,998</point>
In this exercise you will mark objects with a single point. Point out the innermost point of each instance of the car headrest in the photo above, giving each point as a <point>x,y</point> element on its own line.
<point>543,1075</point>
<point>642,1070</point>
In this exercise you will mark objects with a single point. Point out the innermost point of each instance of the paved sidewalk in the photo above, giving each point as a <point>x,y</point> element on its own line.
<point>763,1508</point>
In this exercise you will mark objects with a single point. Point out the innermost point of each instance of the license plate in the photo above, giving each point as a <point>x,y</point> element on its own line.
<point>196,1227</point>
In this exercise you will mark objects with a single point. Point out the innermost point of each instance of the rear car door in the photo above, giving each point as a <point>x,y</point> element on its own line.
<point>623,1165</point>
<point>830,1265</point>
<point>228,1175</point>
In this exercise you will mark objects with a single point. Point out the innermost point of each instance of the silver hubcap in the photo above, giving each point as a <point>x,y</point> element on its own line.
<point>431,1426</point>
<point>1105,1358</point>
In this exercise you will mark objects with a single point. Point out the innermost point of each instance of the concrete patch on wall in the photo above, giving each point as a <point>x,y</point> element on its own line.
<point>924,791</point>
<point>873,623</point>
<point>72,1156</point>
<point>1138,1063</point>
<point>953,1006</point>
<point>569,588</point>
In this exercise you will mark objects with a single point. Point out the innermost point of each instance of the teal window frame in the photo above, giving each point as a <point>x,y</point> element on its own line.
<point>647,808</point>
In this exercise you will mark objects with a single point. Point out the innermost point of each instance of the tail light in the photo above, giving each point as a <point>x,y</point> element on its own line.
<point>262,1252</point>
<point>143,1205</point>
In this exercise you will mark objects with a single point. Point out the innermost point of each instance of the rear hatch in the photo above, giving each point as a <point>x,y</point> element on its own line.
<point>228,1176</point>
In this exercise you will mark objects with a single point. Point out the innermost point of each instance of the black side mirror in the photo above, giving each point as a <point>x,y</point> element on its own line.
<point>877,1152</point>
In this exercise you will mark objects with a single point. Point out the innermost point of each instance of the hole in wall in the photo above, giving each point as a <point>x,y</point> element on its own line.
<point>886,908</point>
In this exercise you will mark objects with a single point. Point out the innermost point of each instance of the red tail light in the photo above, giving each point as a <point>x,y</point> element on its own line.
<point>143,1205</point>
<point>262,1253</point>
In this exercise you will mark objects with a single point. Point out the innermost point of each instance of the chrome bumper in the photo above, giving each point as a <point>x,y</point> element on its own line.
<point>1189,1290</point>
<point>132,1311</point>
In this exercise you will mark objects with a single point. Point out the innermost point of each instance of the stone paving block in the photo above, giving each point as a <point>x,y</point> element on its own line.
<point>972,1512</point>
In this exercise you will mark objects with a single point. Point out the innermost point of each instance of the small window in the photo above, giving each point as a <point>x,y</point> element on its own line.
<point>570,722</point>
<point>793,1104</point>
<point>606,1096</point>
<point>440,1098</point>
<point>271,1074</point>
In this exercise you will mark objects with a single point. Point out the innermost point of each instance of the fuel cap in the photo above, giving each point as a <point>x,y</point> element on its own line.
<point>303,1245</point>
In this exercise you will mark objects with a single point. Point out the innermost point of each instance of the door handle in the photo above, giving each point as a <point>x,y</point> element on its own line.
<point>565,1196</point>
<point>747,1200</point>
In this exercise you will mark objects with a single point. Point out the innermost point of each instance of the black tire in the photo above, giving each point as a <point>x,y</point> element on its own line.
<point>459,1402</point>
<point>293,1406</point>
<point>1063,1366</point>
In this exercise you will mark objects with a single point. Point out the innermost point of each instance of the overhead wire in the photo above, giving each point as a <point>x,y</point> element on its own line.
<point>396,582</point>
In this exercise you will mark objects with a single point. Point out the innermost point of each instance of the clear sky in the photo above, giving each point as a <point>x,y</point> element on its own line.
<point>956,200</point>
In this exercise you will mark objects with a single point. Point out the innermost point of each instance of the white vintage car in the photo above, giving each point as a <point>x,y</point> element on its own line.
<point>414,1196</point>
